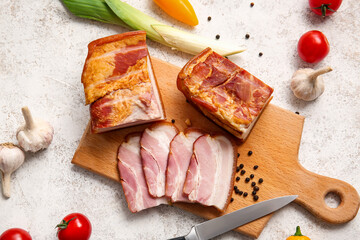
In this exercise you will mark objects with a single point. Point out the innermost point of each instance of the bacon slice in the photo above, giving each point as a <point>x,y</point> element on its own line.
<point>181,150</point>
<point>132,175</point>
<point>209,179</point>
<point>224,92</point>
<point>119,83</point>
<point>155,145</point>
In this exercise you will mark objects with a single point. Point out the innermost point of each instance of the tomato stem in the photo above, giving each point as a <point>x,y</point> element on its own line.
<point>63,224</point>
<point>324,8</point>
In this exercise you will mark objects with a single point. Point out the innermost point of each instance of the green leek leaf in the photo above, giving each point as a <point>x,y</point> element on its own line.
<point>93,9</point>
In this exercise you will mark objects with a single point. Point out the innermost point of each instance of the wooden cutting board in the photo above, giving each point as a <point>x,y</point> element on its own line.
<point>274,143</point>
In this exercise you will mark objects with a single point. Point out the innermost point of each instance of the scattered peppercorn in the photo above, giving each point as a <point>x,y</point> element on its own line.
<point>253,184</point>
<point>173,120</point>
<point>253,193</point>
<point>235,187</point>
<point>243,172</point>
<point>256,197</point>
<point>217,36</point>
<point>238,155</point>
<point>252,4</point>
<point>256,188</point>
<point>237,179</point>
<point>240,193</point>
<point>247,36</point>
<point>231,200</point>
<point>260,54</point>
<point>245,194</point>
<point>250,153</point>
<point>256,167</point>
<point>247,179</point>
<point>261,180</point>
<point>209,18</point>
<point>251,176</point>
<point>237,191</point>
<point>237,169</point>
<point>226,57</point>
<point>241,166</point>
<point>297,113</point>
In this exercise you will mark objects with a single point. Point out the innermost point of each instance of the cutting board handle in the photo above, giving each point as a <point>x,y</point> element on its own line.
<point>312,192</point>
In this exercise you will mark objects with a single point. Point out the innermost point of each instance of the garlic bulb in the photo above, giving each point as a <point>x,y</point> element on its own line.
<point>11,158</point>
<point>307,84</point>
<point>35,134</point>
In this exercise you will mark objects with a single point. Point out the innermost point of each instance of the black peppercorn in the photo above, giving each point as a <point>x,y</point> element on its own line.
<point>253,184</point>
<point>261,180</point>
<point>237,169</point>
<point>238,155</point>
<point>247,179</point>
<point>173,120</point>
<point>231,200</point>
<point>247,36</point>
<point>250,153</point>
<point>241,166</point>
<point>260,54</point>
<point>245,194</point>
<point>237,191</point>
<point>240,193</point>
<point>256,197</point>
<point>243,172</point>
<point>235,187</point>
<point>251,176</point>
<point>252,4</point>
<point>226,57</point>
<point>209,18</point>
<point>256,188</point>
<point>297,113</point>
<point>237,179</point>
<point>217,36</point>
<point>256,167</point>
<point>253,193</point>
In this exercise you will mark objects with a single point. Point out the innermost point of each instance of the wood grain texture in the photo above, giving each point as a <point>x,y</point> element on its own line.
<point>274,141</point>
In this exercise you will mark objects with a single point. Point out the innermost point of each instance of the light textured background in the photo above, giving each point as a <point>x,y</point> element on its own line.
<point>42,51</point>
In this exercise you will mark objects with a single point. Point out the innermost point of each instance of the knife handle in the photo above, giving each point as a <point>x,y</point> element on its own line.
<point>178,238</point>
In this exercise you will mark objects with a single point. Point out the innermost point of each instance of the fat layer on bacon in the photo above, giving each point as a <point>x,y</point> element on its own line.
<point>155,146</point>
<point>181,150</point>
<point>226,93</point>
<point>132,176</point>
<point>209,179</point>
<point>119,83</point>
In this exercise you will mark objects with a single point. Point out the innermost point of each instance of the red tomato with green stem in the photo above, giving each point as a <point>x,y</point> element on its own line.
<point>15,234</point>
<point>324,7</point>
<point>313,46</point>
<point>74,226</point>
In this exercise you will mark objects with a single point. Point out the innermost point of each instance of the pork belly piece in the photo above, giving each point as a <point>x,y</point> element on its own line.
<point>155,145</point>
<point>119,83</point>
<point>210,176</point>
<point>224,92</point>
<point>132,175</point>
<point>181,150</point>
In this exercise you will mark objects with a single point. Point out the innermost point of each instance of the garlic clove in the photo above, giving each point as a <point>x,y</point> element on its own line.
<point>307,84</point>
<point>35,134</point>
<point>11,158</point>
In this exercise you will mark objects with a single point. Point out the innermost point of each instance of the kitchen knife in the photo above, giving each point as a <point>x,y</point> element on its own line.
<point>227,222</point>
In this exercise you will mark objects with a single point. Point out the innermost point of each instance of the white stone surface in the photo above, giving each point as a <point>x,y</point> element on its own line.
<point>43,48</point>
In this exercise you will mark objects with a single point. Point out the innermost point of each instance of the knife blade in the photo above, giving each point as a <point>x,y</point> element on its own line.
<point>227,222</point>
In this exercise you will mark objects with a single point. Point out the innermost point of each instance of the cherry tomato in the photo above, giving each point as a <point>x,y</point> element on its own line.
<point>74,226</point>
<point>324,7</point>
<point>313,46</point>
<point>180,10</point>
<point>15,234</point>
